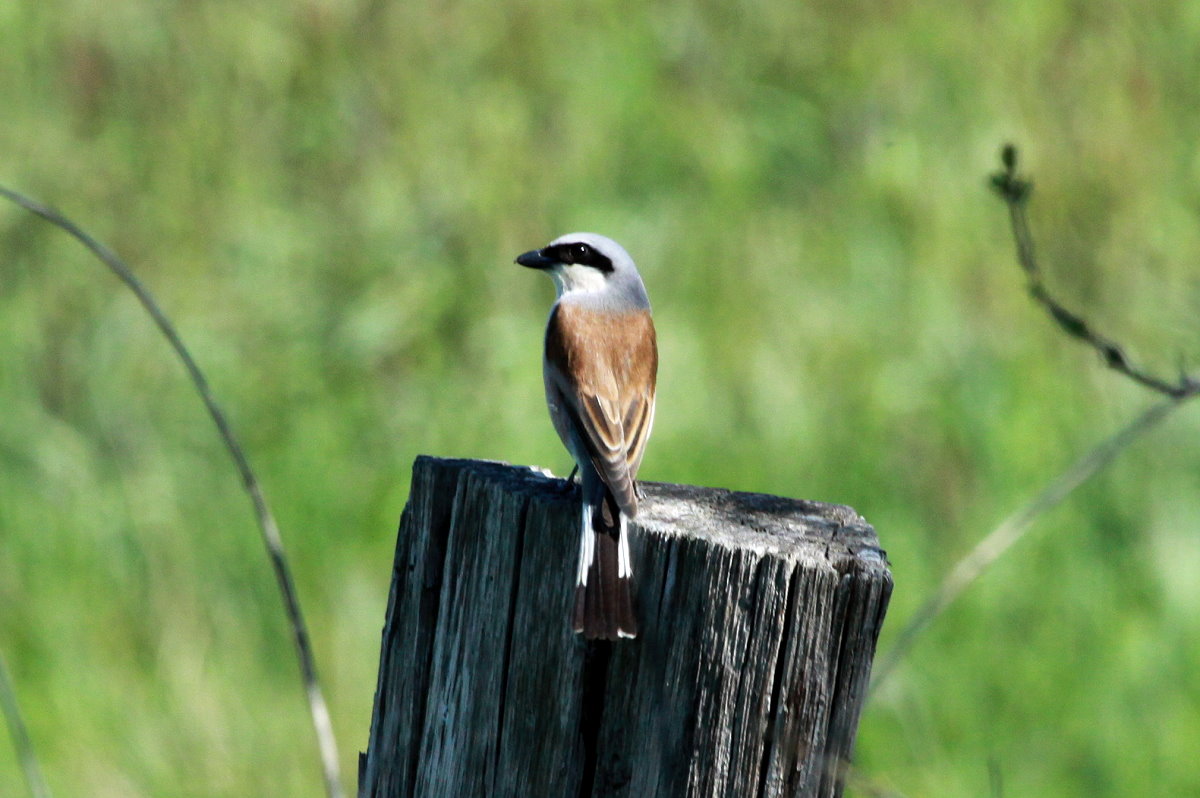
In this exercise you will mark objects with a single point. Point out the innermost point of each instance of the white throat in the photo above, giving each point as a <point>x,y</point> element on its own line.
<point>570,279</point>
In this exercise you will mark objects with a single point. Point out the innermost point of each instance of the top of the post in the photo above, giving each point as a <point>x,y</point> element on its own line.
<point>795,529</point>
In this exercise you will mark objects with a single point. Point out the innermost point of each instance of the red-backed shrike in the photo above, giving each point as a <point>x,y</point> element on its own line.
<point>600,366</point>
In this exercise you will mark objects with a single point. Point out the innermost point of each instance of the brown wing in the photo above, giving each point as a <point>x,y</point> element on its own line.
<point>600,370</point>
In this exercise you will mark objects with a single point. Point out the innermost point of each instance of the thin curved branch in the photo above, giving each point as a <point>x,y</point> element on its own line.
<point>1015,192</point>
<point>1012,529</point>
<point>266,520</point>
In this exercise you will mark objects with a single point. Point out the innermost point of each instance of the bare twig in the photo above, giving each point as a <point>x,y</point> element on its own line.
<point>1015,193</point>
<point>20,737</point>
<point>266,521</point>
<point>1012,529</point>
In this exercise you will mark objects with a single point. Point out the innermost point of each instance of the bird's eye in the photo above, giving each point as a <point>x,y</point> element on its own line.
<point>579,253</point>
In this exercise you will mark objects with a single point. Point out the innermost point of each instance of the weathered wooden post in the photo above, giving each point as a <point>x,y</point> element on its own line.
<point>759,617</point>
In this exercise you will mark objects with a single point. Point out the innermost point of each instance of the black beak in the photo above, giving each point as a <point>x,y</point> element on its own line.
<point>534,259</point>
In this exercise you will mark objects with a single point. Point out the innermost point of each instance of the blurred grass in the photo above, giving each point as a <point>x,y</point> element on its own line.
<point>327,197</point>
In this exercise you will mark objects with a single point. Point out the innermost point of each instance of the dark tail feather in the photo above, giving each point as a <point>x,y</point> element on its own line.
<point>604,593</point>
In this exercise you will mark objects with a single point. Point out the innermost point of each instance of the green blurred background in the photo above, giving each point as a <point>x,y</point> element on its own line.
<point>327,197</point>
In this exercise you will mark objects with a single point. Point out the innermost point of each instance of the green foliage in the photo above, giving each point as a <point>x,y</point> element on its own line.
<point>327,196</point>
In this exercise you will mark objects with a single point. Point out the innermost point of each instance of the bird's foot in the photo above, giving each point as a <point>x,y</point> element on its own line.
<point>567,486</point>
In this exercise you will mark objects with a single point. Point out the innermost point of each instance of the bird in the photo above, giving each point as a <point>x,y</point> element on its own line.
<point>600,368</point>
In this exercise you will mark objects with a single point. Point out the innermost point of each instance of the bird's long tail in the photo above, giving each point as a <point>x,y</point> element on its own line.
<point>604,592</point>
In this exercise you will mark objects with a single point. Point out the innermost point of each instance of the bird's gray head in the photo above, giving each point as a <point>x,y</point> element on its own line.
<point>590,268</point>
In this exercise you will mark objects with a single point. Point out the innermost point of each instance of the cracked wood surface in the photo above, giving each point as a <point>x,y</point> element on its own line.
<point>759,617</point>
